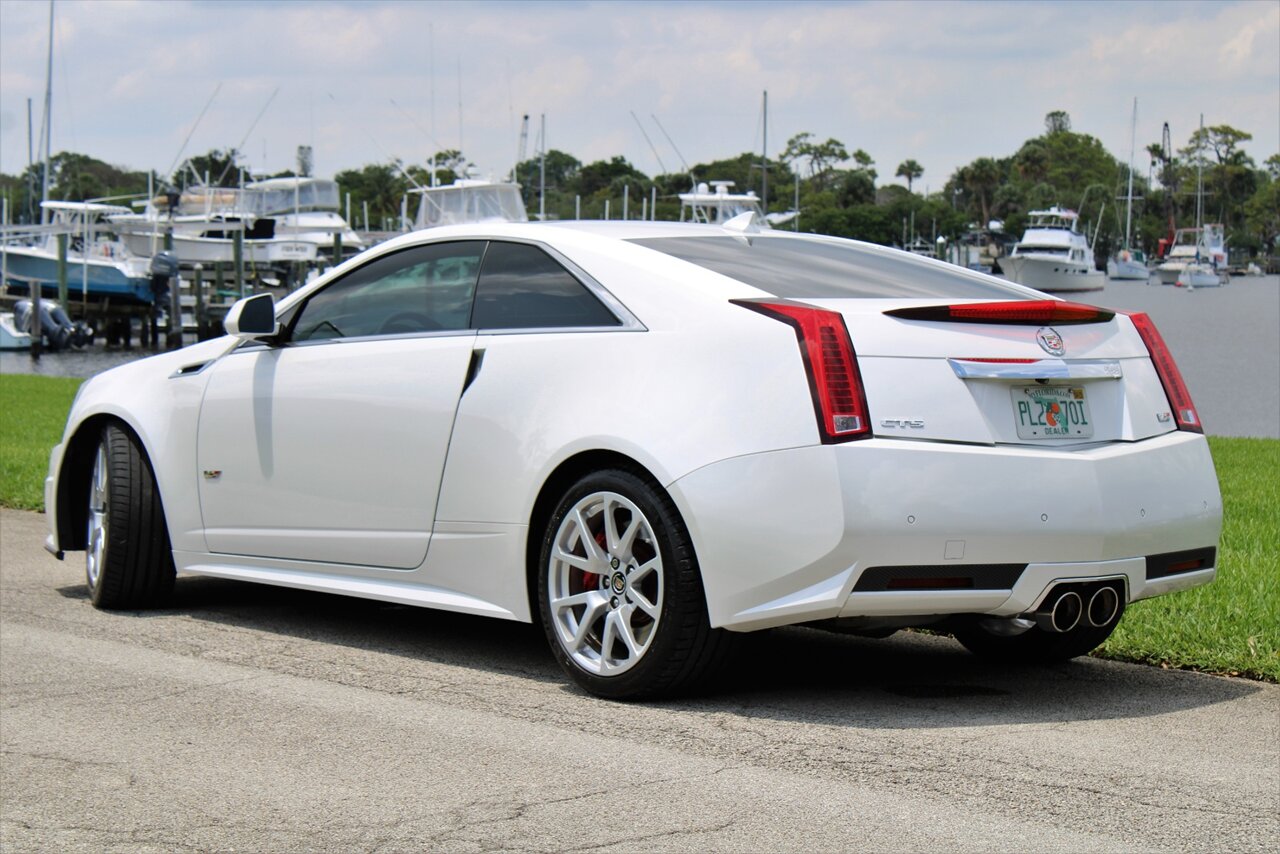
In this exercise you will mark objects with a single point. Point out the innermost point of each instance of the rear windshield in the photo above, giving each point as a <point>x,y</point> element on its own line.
<point>819,269</point>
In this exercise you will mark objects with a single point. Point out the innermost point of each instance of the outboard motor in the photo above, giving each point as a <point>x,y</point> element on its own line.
<point>164,267</point>
<point>58,330</point>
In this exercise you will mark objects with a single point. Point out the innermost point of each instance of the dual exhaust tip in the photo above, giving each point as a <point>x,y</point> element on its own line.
<point>1062,612</point>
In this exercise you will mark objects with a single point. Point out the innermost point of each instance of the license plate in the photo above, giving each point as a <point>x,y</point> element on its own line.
<point>1051,412</point>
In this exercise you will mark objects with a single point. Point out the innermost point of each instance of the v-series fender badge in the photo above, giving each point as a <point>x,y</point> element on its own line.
<point>914,423</point>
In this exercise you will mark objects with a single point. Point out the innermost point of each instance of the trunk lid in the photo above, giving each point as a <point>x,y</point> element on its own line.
<point>1017,382</point>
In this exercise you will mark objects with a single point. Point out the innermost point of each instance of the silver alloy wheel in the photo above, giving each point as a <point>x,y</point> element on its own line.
<point>99,508</point>
<point>604,584</point>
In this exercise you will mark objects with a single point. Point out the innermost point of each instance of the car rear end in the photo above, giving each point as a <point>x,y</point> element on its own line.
<point>981,452</point>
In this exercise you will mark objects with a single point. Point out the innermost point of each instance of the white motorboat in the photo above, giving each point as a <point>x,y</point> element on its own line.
<point>1053,255</point>
<point>713,203</point>
<point>469,200</point>
<point>11,337</point>
<point>305,209</point>
<point>1199,274</point>
<point>1128,262</point>
<point>202,223</point>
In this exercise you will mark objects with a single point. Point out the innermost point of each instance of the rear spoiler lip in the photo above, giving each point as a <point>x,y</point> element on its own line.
<point>1015,313</point>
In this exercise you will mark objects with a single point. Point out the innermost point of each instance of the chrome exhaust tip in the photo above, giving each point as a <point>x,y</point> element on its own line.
<point>1063,615</point>
<point>1103,606</point>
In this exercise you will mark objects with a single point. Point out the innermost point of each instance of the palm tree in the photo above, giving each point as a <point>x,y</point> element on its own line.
<point>910,170</point>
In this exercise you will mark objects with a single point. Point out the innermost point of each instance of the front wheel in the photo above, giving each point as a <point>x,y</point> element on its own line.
<point>128,561</point>
<point>619,591</point>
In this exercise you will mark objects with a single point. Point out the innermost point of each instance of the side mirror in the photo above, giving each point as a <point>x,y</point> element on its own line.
<point>252,318</point>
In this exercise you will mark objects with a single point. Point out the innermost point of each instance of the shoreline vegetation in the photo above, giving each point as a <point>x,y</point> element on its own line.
<point>1230,627</point>
<point>838,188</point>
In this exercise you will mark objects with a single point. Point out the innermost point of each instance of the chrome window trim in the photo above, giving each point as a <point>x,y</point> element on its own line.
<point>1041,369</point>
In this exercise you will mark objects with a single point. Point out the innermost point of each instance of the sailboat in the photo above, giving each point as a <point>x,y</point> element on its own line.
<point>1128,262</point>
<point>1202,272</point>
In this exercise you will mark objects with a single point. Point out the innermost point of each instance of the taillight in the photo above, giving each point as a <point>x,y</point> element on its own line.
<point>834,382</point>
<point>1020,312</point>
<point>1184,411</point>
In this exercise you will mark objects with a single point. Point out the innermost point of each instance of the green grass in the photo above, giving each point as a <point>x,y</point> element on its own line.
<point>1231,626</point>
<point>33,411</point>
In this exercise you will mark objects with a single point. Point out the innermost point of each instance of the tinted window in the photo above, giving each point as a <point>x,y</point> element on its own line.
<point>818,269</point>
<point>423,289</point>
<point>522,287</point>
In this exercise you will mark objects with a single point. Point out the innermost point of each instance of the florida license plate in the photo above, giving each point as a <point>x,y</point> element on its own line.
<point>1051,412</point>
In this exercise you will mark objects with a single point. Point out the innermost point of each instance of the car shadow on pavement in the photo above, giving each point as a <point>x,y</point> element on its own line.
<point>910,680</point>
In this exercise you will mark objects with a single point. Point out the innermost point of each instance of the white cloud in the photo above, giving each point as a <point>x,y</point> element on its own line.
<point>940,82</point>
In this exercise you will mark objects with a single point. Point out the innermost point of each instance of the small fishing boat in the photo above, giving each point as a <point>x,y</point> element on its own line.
<point>98,264</point>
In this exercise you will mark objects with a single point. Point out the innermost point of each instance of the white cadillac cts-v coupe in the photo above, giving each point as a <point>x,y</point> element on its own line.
<point>652,437</point>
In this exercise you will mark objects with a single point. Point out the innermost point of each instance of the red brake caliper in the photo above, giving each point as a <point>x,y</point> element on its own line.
<point>591,580</point>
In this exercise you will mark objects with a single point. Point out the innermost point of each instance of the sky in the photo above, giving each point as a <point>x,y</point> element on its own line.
<point>362,82</point>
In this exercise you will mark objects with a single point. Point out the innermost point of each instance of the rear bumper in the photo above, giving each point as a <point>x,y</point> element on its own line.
<point>784,537</point>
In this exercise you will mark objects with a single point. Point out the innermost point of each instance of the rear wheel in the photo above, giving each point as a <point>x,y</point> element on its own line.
<point>128,560</point>
<point>620,593</point>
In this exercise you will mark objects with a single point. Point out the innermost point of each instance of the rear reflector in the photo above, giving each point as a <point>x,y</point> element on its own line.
<point>1019,312</point>
<point>1184,411</point>
<point>839,401</point>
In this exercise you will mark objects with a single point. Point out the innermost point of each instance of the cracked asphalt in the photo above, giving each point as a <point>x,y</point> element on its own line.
<point>257,719</point>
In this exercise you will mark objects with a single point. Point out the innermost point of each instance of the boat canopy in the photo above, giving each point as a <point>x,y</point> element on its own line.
<point>286,195</point>
<point>1054,217</point>
<point>469,201</point>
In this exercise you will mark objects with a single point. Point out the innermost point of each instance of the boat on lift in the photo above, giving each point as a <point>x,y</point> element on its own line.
<point>1053,255</point>
<point>98,264</point>
<point>202,222</point>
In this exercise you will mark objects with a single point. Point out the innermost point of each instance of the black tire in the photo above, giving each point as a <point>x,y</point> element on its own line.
<point>128,559</point>
<point>1036,645</point>
<point>683,650</point>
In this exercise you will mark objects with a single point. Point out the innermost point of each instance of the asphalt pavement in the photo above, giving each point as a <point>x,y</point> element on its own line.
<point>257,719</point>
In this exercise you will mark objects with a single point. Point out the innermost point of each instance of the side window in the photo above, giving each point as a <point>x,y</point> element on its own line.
<point>422,289</point>
<point>522,287</point>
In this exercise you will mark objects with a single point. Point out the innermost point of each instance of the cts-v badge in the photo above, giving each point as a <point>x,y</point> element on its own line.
<point>915,423</point>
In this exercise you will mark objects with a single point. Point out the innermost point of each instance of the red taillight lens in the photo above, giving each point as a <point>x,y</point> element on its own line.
<point>1043,311</point>
<point>838,397</point>
<point>1184,411</point>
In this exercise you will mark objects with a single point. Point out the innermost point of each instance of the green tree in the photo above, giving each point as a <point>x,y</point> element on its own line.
<point>1056,121</point>
<point>821,157</point>
<point>909,169</point>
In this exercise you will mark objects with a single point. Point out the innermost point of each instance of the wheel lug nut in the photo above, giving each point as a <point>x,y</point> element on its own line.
<point>613,603</point>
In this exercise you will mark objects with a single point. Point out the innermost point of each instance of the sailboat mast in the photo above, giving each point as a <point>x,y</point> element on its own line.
<point>764,157</point>
<point>1200,175</point>
<point>48,120</point>
<point>1133,132</point>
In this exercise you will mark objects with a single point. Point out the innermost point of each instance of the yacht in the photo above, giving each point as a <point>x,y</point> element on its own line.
<point>202,222</point>
<point>98,265</point>
<point>713,203</point>
<point>1053,255</point>
<point>305,209</point>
